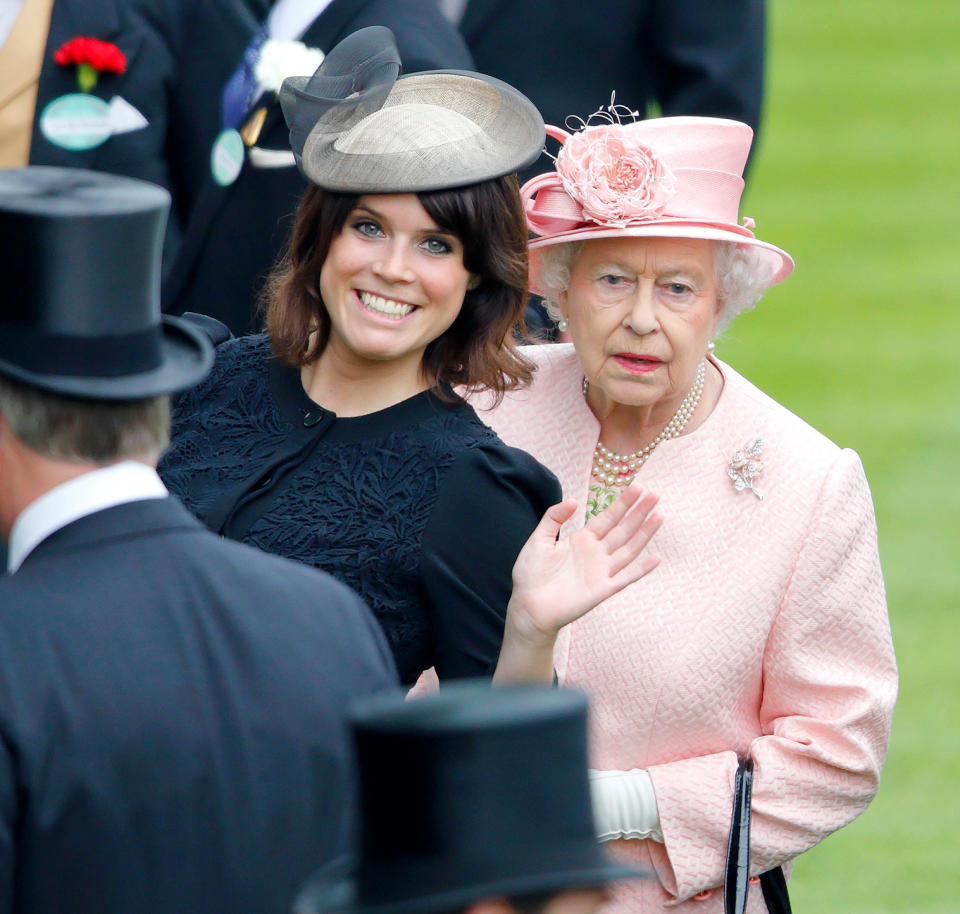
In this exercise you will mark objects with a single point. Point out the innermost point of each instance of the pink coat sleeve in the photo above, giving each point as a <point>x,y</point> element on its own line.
<point>829,687</point>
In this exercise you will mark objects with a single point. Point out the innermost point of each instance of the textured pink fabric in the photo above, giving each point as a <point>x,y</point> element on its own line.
<point>764,630</point>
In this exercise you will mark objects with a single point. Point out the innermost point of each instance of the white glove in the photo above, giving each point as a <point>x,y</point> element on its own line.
<point>624,805</point>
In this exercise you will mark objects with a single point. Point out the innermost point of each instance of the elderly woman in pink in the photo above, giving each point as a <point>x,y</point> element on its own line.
<point>764,630</point>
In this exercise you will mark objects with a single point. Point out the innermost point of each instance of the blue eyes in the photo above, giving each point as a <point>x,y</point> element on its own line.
<point>436,246</point>
<point>368,228</point>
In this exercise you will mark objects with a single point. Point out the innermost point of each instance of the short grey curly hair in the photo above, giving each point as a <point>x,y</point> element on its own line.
<point>742,276</point>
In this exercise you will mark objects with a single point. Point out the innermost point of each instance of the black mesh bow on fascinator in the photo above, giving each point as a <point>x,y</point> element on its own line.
<point>353,81</point>
<point>356,127</point>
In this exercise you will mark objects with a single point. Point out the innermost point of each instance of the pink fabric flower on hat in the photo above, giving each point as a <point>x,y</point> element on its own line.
<point>615,182</point>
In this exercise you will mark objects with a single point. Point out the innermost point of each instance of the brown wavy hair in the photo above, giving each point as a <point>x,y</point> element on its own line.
<point>478,351</point>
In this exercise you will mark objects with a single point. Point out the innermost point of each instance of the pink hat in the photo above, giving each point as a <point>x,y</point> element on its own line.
<point>669,177</point>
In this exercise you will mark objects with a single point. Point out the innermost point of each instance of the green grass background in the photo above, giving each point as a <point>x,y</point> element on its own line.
<point>857,174</point>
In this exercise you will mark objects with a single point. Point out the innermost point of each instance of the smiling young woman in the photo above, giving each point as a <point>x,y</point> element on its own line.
<point>453,259</point>
<point>337,437</point>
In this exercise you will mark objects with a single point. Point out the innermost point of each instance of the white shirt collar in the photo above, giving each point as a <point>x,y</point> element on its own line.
<point>289,19</point>
<point>94,491</point>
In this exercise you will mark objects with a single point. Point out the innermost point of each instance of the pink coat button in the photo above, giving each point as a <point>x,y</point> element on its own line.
<point>703,896</point>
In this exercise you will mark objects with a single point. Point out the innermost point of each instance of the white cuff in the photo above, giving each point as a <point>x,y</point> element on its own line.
<point>624,805</point>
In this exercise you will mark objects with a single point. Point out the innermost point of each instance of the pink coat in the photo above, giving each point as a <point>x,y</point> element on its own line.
<point>763,630</point>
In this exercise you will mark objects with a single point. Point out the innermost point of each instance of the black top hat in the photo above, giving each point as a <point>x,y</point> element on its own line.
<point>80,256</point>
<point>467,794</point>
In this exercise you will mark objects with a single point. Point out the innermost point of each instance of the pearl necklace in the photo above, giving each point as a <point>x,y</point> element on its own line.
<point>612,469</point>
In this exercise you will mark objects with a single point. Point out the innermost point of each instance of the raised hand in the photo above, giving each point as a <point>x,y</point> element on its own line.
<point>556,581</point>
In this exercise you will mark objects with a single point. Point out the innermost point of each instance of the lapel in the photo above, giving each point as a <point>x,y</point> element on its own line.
<point>477,14</point>
<point>120,523</point>
<point>91,19</point>
<point>95,19</point>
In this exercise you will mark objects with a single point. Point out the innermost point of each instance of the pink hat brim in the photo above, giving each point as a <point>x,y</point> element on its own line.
<point>781,262</point>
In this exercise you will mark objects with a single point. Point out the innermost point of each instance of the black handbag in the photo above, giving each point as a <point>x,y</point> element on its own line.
<point>737,876</point>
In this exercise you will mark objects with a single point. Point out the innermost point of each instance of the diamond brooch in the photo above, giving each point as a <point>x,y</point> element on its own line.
<point>745,467</point>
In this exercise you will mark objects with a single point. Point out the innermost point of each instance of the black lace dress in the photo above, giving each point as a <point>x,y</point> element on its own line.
<point>419,507</point>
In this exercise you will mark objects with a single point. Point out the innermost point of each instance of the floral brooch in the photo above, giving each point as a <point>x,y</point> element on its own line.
<point>92,57</point>
<point>745,466</point>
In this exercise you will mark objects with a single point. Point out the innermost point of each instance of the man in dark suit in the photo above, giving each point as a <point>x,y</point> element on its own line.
<point>171,703</point>
<point>675,56</point>
<point>156,120</point>
<point>239,229</point>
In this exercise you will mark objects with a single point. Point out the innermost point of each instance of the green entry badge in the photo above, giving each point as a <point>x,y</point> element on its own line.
<point>76,121</point>
<point>226,157</point>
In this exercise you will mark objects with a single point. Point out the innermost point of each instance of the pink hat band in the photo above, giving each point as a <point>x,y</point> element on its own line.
<point>701,195</point>
<point>676,177</point>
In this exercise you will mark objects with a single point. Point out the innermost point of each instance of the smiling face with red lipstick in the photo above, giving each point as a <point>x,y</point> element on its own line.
<point>641,313</point>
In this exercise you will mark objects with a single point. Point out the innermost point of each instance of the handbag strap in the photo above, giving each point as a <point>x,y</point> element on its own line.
<point>737,874</point>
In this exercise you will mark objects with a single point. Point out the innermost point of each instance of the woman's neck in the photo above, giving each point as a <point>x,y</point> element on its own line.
<point>626,429</point>
<point>359,387</point>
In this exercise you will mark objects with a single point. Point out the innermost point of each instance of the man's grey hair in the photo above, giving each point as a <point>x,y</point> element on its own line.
<point>742,276</point>
<point>86,431</point>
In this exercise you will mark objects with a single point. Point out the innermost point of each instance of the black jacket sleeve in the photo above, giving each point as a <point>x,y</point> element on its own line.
<point>489,503</point>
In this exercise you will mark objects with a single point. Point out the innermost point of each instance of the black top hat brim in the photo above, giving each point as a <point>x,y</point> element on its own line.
<point>325,893</point>
<point>186,357</point>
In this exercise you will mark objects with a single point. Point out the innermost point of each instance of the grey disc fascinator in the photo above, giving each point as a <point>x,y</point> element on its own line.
<point>355,127</point>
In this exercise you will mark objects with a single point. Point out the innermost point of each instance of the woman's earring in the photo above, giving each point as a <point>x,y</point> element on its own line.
<point>563,324</point>
<point>472,283</point>
<point>710,347</point>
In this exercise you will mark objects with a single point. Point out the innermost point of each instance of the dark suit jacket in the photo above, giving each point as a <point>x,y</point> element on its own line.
<point>687,56</point>
<point>238,231</point>
<point>171,733</point>
<point>179,54</point>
